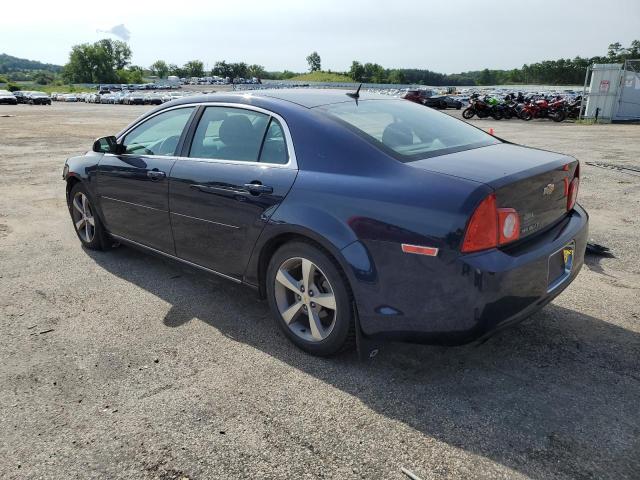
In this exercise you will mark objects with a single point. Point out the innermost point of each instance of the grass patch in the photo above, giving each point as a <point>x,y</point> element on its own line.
<point>586,121</point>
<point>322,77</point>
<point>53,88</point>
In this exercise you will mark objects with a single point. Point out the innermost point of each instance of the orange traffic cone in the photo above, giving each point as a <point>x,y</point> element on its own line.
<point>491,131</point>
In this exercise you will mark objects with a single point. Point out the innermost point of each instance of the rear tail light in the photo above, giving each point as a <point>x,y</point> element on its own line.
<point>508,225</point>
<point>482,231</point>
<point>572,193</point>
<point>491,226</point>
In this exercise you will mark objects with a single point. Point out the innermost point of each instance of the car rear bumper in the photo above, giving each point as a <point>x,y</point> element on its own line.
<point>431,300</point>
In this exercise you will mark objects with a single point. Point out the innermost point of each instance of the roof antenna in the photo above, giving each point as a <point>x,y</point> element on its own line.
<point>355,95</point>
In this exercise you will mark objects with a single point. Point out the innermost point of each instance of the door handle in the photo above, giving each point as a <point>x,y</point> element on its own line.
<point>258,188</point>
<point>156,175</point>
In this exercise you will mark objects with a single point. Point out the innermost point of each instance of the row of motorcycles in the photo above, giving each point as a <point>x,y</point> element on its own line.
<point>525,108</point>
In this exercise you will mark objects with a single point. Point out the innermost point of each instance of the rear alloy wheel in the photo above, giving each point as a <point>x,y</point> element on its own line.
<point>86,223</point>
<point>309,297</point>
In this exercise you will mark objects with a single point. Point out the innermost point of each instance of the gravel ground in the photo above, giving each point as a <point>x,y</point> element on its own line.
<point>123,365</point>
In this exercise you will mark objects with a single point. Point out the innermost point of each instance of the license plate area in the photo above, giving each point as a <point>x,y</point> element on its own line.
<point>560,265</point>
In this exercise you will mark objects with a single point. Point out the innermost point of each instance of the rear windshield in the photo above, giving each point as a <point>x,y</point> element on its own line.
<point>406,130</point>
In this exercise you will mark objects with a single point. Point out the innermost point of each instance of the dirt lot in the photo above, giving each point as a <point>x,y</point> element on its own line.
<point>122,365</point>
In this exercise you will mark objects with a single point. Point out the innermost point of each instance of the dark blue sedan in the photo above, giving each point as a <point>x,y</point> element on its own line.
<point>358,217</point>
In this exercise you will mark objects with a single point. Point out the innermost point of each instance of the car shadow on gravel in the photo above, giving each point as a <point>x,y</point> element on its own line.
<point>554,397</point>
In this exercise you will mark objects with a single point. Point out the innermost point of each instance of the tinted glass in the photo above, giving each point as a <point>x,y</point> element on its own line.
<point>274,149</point>
<point>407,130</point>
<point>159,135</point>
<point>229,134</point>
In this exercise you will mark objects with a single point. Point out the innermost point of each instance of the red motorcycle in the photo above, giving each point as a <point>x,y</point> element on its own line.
<point>542,108</point>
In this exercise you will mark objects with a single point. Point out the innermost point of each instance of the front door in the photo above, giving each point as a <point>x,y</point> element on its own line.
<point>238,168</point>
<point>133,187</point>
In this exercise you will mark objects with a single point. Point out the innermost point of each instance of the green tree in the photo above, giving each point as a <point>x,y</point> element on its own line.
<point>177,71</point>
<point>43,78</point>
<point>222,69</point>
<point>374,73</point>
<point>356,71</point>
<point>96,62</point>
<point>396,76</point>
<point>314,62</point>
<point>159,68</point>
<point>256,71</point>
<point>194,68</point>
<point>239,70</point>
<point>614,49</point>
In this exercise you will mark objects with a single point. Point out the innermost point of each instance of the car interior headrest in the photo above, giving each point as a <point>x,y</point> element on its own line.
<point>397,134</point>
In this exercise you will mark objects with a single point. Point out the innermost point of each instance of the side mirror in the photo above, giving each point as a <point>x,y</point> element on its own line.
<point>108,145</point>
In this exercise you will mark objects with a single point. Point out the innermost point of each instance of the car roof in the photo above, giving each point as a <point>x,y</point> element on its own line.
<point>305,97</point>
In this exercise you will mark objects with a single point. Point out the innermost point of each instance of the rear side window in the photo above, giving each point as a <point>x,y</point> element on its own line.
<point>274,148</point>
<point>226,133</point>
<point>407,130</point>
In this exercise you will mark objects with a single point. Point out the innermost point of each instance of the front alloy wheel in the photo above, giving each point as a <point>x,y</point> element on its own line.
<point>83,218</point>
<point>86,222</point>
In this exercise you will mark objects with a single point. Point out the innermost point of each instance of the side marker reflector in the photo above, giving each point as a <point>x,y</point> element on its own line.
<point>419,250</point>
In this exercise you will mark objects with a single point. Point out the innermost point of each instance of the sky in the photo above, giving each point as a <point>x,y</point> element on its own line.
<point>447,36</point>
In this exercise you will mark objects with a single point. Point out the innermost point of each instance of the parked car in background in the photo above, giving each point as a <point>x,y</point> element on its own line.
<point>153,99</point>
<point>70,97</point>
<point>38,98</point>
<point>21,96</point>
<point>134,98</point>
<point>442,102</point>
<point>354,216</point>
<point>417,96</point>
<point>7,98</point>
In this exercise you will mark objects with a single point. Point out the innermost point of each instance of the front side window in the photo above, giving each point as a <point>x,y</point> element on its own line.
<point>407,130</point>
<point>159,135</point>
<point>227,133</point>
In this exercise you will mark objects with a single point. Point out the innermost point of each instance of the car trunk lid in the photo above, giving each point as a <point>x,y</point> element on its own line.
<point>533,182</point>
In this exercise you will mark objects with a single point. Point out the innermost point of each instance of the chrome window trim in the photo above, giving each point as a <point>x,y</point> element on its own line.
<point>291,164</point>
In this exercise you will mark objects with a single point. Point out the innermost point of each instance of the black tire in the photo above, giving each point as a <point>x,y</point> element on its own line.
<point>558,116</point>
<point>100,239</point>
<point>524,115</point>
<point>468,113</point>
<point>458,106</point>
<point>342,333</point>
<point>496,114</point>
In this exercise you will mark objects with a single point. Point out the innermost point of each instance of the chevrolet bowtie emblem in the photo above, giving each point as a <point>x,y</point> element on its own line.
<point>548,190</point>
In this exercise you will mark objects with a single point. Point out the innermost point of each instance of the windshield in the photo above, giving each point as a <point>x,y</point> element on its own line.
<point>407,130</point>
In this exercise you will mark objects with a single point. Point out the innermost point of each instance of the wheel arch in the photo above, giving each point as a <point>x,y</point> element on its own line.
<point>71,181</point>
<point>269,247</point>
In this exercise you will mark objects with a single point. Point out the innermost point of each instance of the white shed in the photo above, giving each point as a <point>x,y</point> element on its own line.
<point>614,91</point>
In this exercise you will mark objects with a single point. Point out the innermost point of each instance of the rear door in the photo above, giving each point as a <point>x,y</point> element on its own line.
<point>133,187</point>
<point>235,171</point>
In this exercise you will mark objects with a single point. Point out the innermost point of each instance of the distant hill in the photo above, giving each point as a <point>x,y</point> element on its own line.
<point>15,64</point>
<point>321,77</point>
